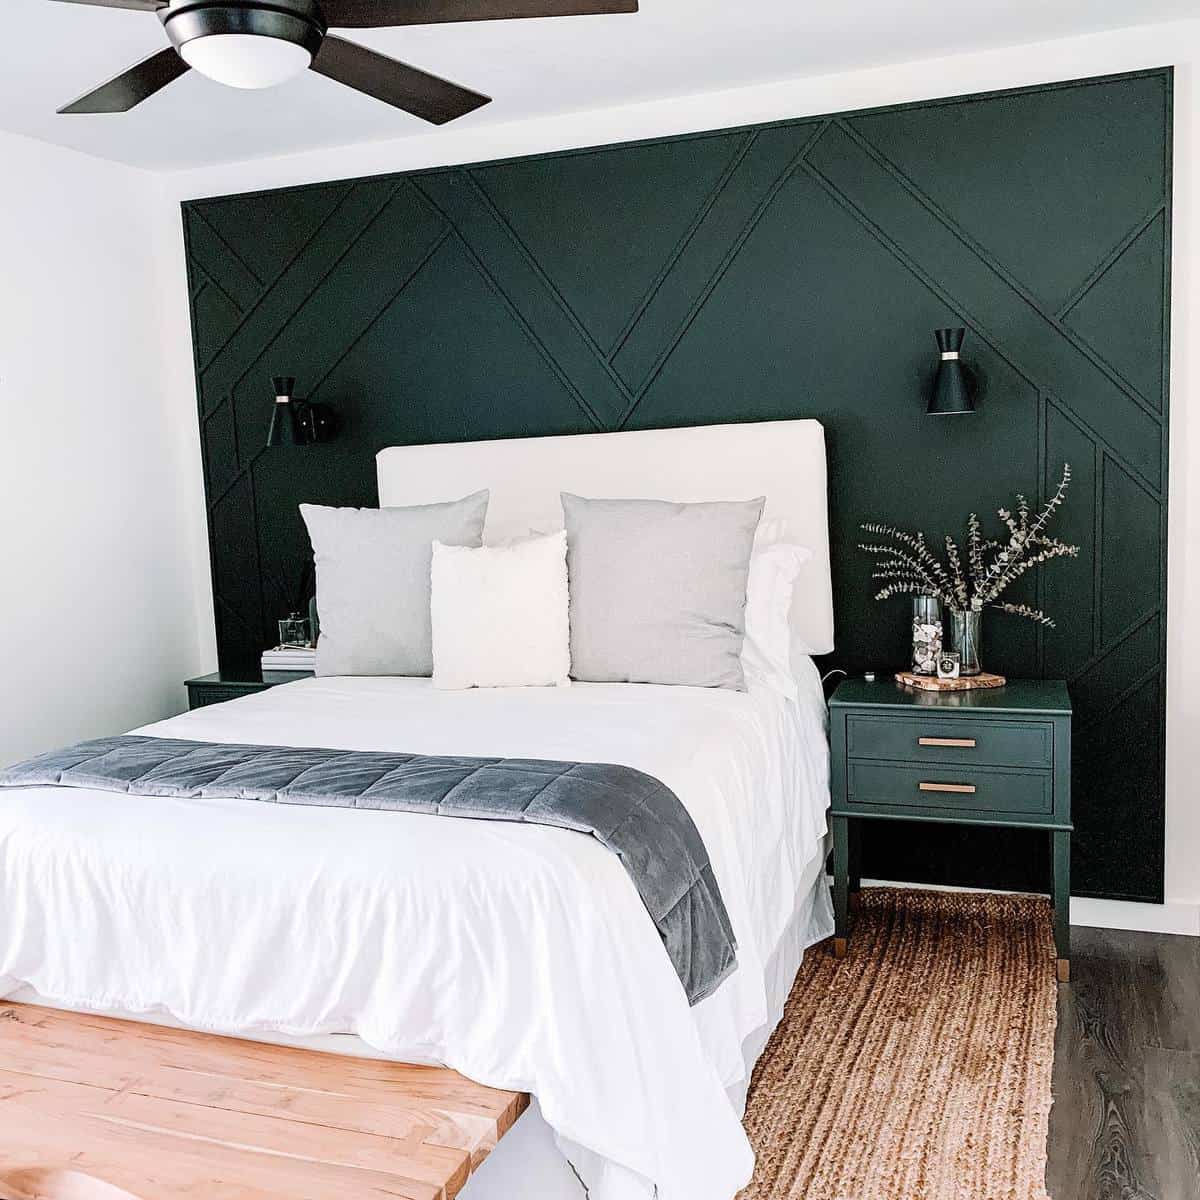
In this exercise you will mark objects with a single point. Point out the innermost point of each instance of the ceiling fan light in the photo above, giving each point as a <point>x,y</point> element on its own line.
<point>246,60</point>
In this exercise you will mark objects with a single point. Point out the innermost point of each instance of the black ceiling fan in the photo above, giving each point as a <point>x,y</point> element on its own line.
<point>259,43</point>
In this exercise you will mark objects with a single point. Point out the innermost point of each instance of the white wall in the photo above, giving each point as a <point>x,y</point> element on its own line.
<point>98,583</point>
<point>1148,46</point>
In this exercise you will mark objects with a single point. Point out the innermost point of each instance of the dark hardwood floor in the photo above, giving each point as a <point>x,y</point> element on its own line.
<point>1126,1118</point>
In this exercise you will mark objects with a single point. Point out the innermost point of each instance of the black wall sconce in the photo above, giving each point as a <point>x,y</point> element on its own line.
<point>953,386</point>
<point>297,422</point>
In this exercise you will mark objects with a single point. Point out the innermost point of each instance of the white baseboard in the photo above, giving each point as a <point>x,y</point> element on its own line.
<point>1126,914</point>
<point>1102,914</point>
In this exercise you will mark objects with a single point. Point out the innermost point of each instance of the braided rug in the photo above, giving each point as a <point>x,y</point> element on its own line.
<point>919,1067</point>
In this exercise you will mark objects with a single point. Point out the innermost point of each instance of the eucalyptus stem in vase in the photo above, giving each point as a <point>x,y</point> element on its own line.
<point>974,577</point>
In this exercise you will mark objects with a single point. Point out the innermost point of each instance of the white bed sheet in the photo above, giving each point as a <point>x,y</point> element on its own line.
<point>521,956</point>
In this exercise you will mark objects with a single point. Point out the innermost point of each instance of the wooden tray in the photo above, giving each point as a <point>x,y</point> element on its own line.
<point>965,683</point>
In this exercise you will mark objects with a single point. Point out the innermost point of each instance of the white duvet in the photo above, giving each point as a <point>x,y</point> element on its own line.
<point>519,955</point>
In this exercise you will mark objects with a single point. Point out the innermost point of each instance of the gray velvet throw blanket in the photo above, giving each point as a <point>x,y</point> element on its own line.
<point>634,815</point>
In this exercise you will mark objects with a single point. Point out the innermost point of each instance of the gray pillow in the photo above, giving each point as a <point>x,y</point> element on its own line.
<point>658,590</point>
<point>373,567</point>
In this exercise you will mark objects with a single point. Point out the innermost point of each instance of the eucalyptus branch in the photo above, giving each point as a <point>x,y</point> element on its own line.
<point>1048,542</point>
<point>958,579</point>
<point>993,581</point>
<point>898,573</point>
<point>973,576</point>
<point>910,587</point>
<point>930,559</point>
<point>1018,567</point>
<point>974,546</point>
<point>916,544</point>
<point>1023,610</point>
<point>894,556</point>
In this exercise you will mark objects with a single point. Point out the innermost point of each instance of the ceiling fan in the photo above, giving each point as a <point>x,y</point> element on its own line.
<point>259,43</point>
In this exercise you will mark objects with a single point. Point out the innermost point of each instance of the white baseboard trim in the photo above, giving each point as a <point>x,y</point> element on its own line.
<point>1174,917</point>
<point>1127,914</point>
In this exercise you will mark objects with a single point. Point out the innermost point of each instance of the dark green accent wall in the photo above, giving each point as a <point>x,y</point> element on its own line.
<point>784,270</point>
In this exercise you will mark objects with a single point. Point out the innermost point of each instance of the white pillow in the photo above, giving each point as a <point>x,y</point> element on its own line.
<point>767,651</point>
<point>500,614</point>
<point>771,530</point>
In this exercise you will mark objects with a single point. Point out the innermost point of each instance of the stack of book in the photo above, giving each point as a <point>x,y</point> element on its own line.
<point>299,659</point>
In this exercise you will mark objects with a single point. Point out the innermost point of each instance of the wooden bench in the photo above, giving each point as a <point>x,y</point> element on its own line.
<point>98,1109</point>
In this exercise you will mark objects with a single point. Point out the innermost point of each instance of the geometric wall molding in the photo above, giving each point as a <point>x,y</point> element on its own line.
<point>795,269</point>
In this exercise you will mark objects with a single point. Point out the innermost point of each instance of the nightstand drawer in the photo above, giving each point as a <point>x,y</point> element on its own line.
<point>961,789</point>
<point>951,741</point>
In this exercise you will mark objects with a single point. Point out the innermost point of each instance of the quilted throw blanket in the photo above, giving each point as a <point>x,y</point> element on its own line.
<point>631,813</point>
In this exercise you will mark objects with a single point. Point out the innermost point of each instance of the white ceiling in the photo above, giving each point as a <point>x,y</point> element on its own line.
<point>51,52</point>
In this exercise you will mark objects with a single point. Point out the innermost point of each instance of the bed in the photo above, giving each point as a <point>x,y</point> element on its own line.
<point>520,956</point>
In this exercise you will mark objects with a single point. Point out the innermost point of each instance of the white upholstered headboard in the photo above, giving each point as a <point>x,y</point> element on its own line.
<point>782,460</point>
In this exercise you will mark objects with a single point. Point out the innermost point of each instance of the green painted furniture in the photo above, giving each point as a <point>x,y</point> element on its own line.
<point>225,685</point>
<point>988,757</point>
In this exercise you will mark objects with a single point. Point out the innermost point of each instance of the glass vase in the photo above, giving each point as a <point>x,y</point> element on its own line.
<point>966,632</point>
<point>926,634</point>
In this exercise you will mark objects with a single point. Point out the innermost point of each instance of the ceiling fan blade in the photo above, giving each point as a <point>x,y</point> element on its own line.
<point>377,14</point>
<point>131,87</point>
<point>137,5</point>
<point>396,83</point>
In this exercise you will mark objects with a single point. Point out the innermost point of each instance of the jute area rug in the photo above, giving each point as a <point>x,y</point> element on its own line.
<point>919,1067</point>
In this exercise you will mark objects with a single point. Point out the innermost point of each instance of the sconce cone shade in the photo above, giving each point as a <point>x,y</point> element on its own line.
<point>285,426</point>
<point>953,386</point>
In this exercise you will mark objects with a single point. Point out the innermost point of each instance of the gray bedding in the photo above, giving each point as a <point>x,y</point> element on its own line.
<point>634,815</point>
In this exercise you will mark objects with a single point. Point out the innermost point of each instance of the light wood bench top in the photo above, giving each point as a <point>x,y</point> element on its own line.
<point>95,1107</point>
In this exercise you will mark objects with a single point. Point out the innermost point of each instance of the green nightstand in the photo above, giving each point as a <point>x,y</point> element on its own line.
<point>999,756</point>
<point>224,685</point>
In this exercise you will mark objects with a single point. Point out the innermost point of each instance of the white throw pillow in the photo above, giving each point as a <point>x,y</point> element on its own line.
<point>501,614</point>
<point>768,651</point>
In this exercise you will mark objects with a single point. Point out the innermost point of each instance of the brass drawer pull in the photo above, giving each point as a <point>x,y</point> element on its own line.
<point>966,789</point>
<point>964,743</point>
